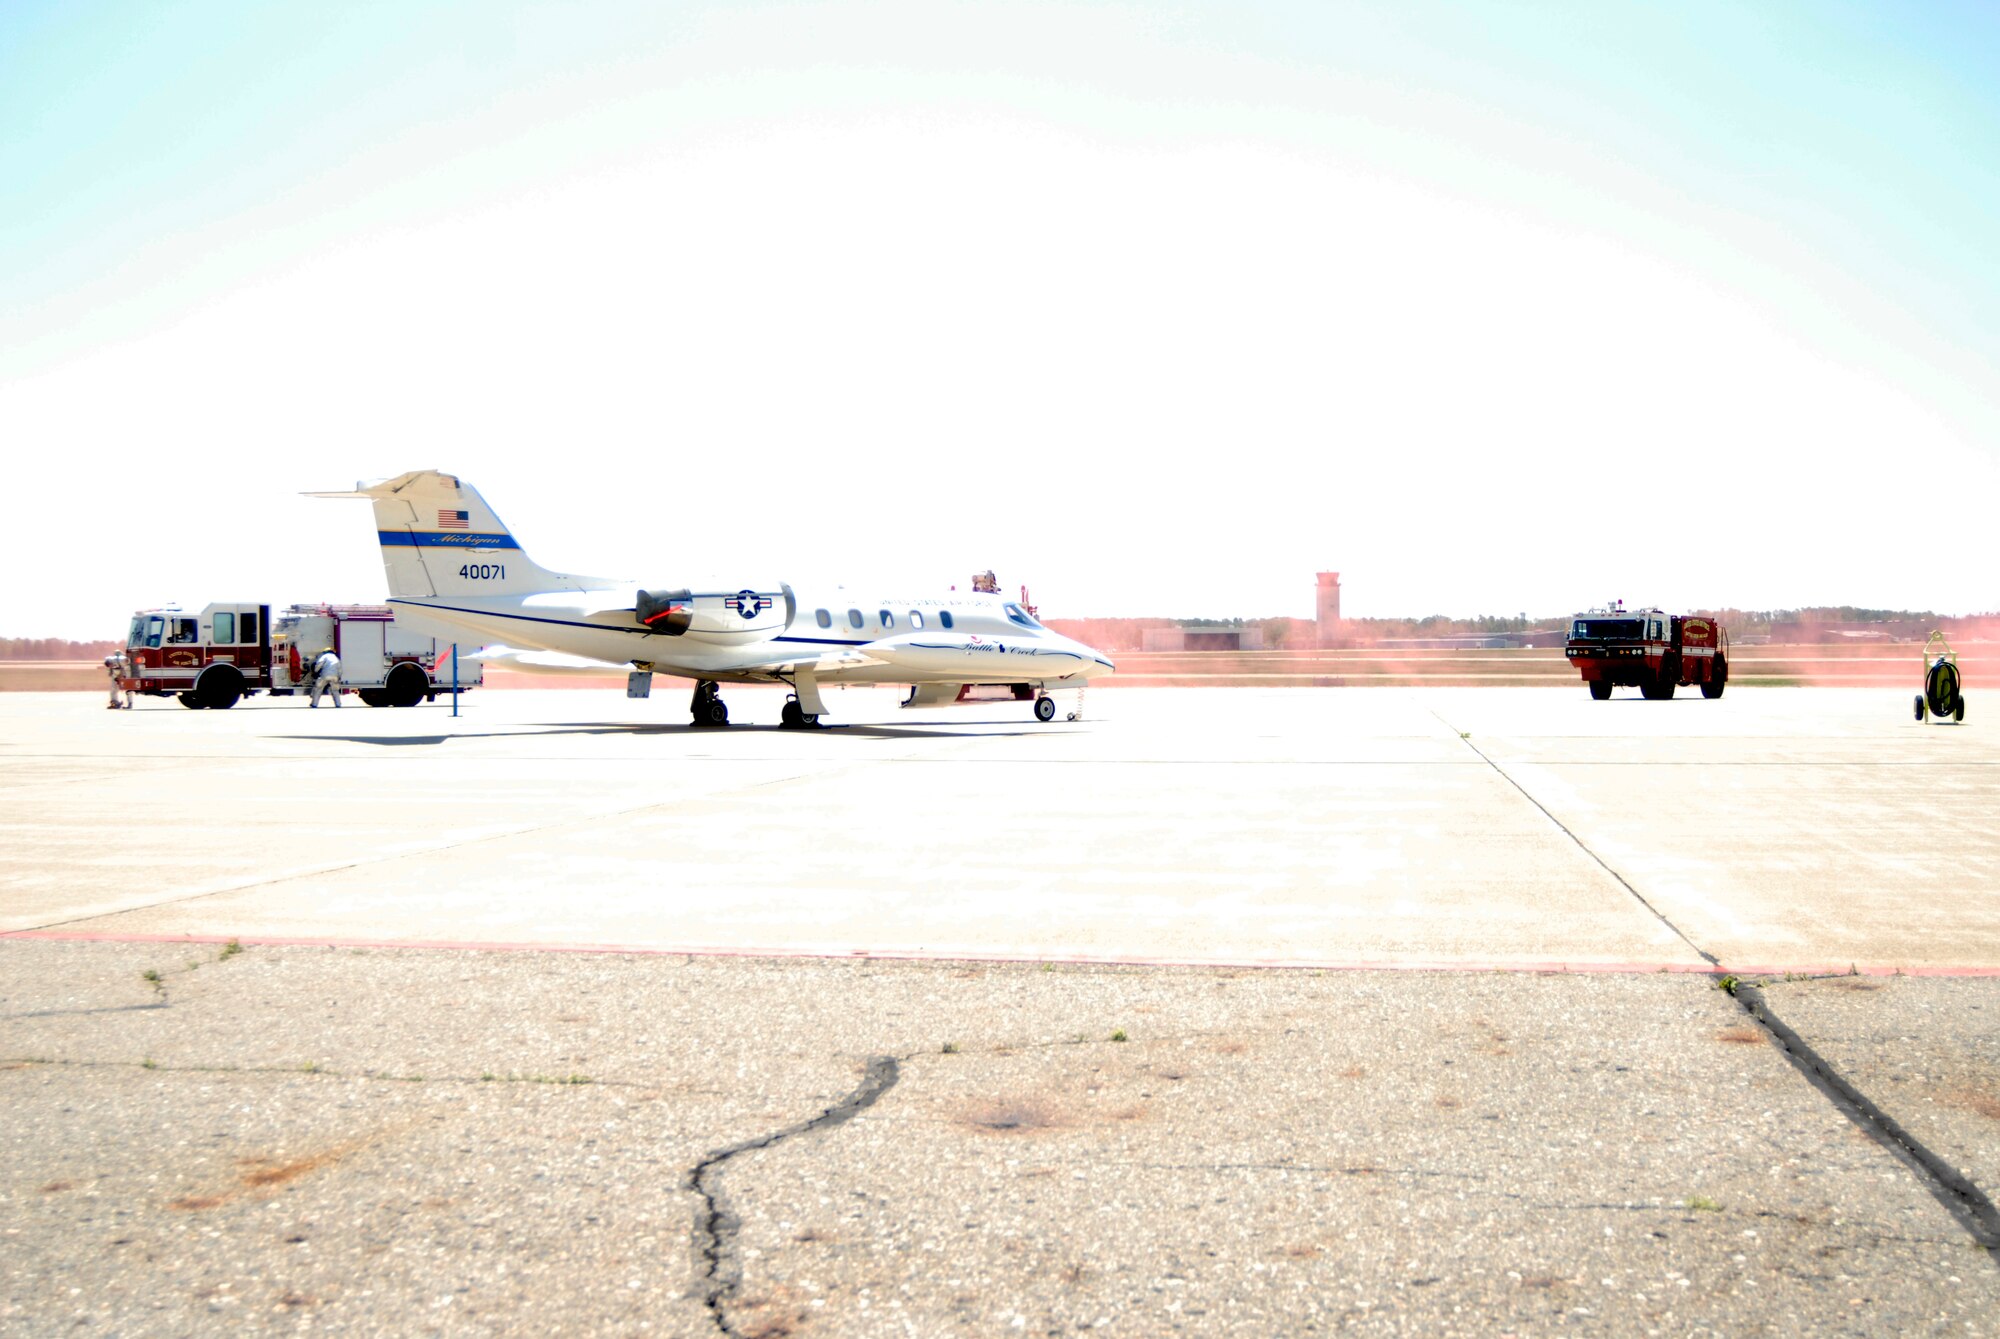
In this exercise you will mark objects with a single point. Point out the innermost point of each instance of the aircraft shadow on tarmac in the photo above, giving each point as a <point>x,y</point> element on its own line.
<point>619,728</point>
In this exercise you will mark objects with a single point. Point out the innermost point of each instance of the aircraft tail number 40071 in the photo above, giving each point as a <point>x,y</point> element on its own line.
<point>454,568</point>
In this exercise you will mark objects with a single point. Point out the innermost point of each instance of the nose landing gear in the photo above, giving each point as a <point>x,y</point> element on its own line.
<point>1045,706</point>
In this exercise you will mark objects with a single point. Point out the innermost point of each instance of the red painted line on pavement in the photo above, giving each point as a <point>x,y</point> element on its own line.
<point>1524,966</point>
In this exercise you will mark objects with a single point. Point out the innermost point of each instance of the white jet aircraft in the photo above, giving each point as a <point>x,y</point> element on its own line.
<point>455,570</point>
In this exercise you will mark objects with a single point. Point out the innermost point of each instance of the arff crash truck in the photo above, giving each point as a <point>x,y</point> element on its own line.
<point>1648,649</point>
<point>228,651</point>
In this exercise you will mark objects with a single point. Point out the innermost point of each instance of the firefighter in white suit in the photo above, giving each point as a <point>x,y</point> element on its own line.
<point>117,665</point>
<point>326,677</point>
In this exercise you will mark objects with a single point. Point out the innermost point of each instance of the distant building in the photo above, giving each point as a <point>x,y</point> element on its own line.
<point>1326,609</point>
<point>1199,638</point>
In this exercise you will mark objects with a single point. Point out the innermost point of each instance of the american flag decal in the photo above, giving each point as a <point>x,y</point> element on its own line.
<point>452,520</point>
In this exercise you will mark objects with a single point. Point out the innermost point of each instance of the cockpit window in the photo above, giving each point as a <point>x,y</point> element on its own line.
<point>1016,614</point>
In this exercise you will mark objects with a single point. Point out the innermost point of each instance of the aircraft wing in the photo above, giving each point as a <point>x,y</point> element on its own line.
<point>821,662</point>
<point>544,662</point>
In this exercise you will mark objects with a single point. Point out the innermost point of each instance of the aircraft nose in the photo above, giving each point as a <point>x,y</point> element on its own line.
<point>1096,663</point>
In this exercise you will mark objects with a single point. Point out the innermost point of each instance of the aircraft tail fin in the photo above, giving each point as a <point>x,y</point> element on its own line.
<point>440,538</point>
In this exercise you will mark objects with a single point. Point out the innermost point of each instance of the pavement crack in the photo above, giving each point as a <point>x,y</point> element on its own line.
<point>83,1013</point>
<point>716,1224</point>
<point>313,1069</point>
<point>1966,1202</point>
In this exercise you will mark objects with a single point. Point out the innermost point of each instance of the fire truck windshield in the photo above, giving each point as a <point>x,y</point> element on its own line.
<point>1608,630</point>
<point>146,631</point>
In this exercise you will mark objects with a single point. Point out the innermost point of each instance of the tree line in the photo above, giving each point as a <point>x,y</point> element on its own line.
<point>53,648</point>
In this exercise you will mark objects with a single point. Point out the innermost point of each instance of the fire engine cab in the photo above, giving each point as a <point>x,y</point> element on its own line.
<point>228,651</point>
<point>1648,649</point>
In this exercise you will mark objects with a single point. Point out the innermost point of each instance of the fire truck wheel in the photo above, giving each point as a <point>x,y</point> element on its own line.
<point>219,687</point>
<point>374,697</point>
<point>193,703</point>
<point>406,685</point>
<point>1717,680</point>
<point>1600,690</point>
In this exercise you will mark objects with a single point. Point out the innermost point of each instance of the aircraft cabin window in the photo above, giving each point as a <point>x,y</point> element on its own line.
<point>944,619</point>
<point>916,620</point>
<point>888,619</point>
<point>225,628</point>
<point>854,619</point>
<point>824,619</point>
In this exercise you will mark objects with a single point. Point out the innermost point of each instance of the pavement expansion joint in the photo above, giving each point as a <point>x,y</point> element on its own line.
<point>1969,1205</point>
<point>341,867</point>
<point>1966,1202</point>
<point>1581,845</point>
<point>716,1224</point>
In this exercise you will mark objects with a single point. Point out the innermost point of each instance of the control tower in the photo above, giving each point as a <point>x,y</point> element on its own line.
<point>1326,608</point>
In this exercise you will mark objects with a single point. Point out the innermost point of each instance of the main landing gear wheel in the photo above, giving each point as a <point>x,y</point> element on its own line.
<point>1600,690</point>
<point>793,717</point>
<point>706,706</point>
<point>1045,709</point>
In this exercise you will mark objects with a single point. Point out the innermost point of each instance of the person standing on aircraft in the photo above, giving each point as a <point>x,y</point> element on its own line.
<point>326,677</point>
<point>116,664</point>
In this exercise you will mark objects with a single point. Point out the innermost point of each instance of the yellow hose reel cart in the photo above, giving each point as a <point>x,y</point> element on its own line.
<point>1941,696</point>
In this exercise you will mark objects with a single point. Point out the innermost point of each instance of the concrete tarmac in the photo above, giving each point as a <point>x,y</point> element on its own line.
<point>562,1017</point>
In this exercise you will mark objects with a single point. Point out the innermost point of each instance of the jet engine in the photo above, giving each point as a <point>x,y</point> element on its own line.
<point>668,612</point>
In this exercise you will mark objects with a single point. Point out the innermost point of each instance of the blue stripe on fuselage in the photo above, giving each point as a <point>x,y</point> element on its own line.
<point>421,540</point>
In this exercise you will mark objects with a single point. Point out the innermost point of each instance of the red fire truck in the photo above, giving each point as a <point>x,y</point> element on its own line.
<point>1648,649</point>
<point>228,651</point>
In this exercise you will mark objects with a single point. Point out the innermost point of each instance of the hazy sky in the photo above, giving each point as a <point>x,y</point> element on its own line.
<point>1157,308</point>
